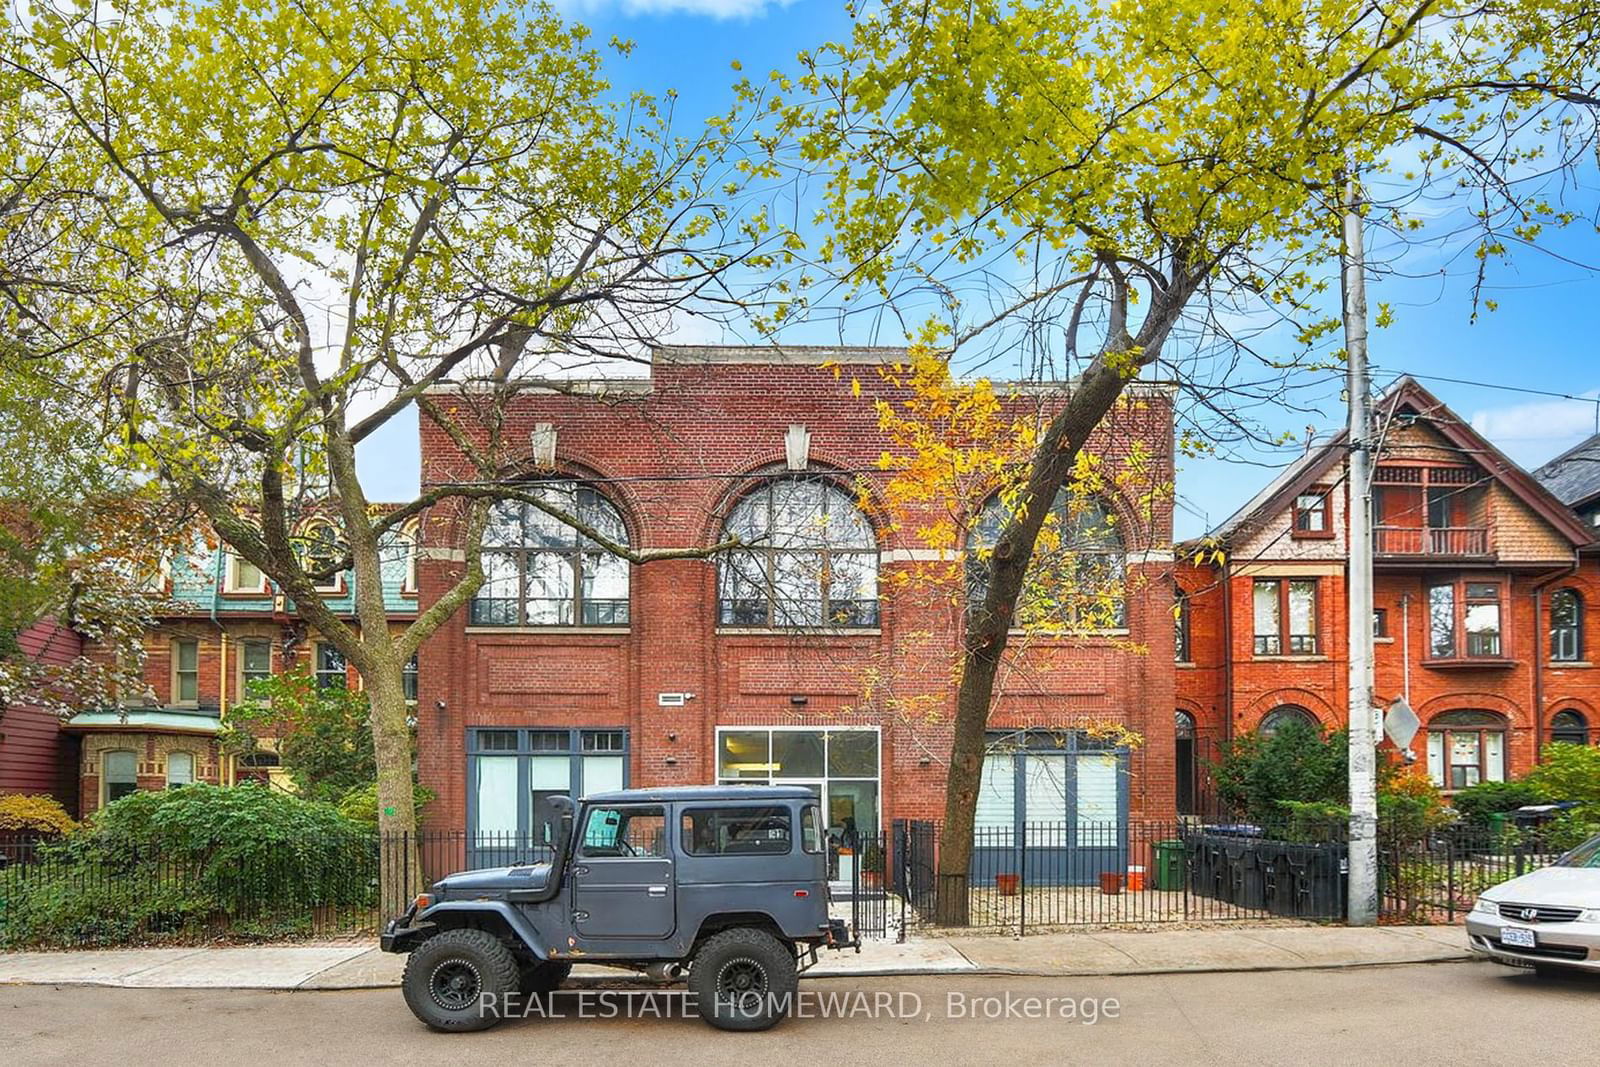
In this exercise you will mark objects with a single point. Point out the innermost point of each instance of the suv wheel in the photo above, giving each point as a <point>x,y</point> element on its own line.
<point>539,977</point>
<point>459,980</point>
<point>743,979</point>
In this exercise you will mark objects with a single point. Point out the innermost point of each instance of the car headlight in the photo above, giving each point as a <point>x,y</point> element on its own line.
<point>1485,906</point>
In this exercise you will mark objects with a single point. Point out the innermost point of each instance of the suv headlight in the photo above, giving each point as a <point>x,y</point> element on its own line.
<point>1485,906</point>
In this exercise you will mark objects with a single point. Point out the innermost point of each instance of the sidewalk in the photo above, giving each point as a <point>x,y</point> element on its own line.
<point>360,966</point>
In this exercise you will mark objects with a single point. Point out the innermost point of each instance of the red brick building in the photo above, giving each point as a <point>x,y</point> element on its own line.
<point>572,671</point>
<point>1481,583</point>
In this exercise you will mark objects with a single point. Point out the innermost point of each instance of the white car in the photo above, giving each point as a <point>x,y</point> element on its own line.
<point>1548,920</point>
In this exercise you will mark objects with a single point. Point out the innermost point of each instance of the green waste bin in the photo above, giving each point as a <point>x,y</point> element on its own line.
<point>1497,827</point>
<point>1169,864</point>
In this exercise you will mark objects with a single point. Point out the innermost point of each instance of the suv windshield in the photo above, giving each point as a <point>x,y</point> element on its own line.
<point>1585,855</point>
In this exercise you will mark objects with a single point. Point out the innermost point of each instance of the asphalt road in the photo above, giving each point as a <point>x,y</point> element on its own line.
<point>1438,1013</point>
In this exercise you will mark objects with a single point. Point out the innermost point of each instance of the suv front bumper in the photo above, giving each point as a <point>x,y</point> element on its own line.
<point>399,935</point>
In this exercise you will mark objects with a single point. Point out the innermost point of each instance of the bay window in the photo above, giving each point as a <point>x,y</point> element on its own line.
<point>1464,620</point>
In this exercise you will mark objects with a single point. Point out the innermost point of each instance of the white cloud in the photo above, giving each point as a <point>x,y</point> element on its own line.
<point>1537,430</point>
<point>717,9</point>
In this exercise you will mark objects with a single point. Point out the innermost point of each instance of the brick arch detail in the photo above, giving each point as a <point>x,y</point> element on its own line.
<point>749,476</point>
<point>1514,715</point>
<point>1258,708</point>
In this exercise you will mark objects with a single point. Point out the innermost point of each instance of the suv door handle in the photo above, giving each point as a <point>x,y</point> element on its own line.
<point>656,890</point>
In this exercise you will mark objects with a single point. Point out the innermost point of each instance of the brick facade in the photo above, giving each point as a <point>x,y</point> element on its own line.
<point>1529,547</point>
<point>673,455</point>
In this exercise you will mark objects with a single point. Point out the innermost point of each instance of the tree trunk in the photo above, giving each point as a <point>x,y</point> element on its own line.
<point>989,625</point>
<point>401,873</point>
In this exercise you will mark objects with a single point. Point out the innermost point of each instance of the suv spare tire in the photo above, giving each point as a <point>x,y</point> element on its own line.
<point>460,980</point>
<point>743,979</point>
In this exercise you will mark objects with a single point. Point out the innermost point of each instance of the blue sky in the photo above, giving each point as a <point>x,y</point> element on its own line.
<point>1545,335</point>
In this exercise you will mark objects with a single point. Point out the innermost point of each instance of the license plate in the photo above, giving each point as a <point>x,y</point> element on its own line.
<point>1516,937</point>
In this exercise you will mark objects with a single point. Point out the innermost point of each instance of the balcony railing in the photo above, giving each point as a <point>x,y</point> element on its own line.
<point>1431,541</point>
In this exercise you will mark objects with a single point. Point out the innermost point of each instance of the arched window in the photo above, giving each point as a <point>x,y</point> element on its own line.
<point>1569,727</point>
<point>1078,566</point>
<point>1566,625</point>
<point>405,547</point>
<point>1284,714</point>
<point>813,559</point>
<point>1180,625</point>
<point>1465,748</point>
<point>541,572</point>
<point>1183,761</point>
<point>319,550</point>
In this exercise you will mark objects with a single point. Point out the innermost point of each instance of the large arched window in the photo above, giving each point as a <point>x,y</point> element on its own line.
<point>541,572</point>
<point>1076,576</point>
<point>320,549</point>
<point>812,560</point>
<point>1569,727</point>
<point>1283,715</point>
<point>1566,625</point>
<point>1465,748</point>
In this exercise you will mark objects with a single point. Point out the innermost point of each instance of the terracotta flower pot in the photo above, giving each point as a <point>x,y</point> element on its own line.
<point>1110,883</point>
<point>1007,884</point>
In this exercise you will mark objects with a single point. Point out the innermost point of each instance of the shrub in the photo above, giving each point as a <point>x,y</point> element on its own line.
<point>1409,804</point>
<point>361,803</point>
<point>1258,776</point>
<point>196,861</point>
<point>1568,773</point>
<point>23,813</point>
<point>1476,803</point>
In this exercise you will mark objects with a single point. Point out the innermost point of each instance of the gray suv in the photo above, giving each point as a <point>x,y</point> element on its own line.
<point>726,885</point>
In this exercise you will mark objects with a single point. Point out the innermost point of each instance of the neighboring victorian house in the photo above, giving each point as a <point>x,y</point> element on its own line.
<point>224,625</point>
<point>573,672</point>
<point>1480,580</point>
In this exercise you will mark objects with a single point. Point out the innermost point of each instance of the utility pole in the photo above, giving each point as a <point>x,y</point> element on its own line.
<point>1363,894</point>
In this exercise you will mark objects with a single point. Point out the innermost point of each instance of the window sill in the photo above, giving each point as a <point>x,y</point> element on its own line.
<point>1069,635</point>
<point>1187,665</point>
<point>1301,535</point>
<point>799,631</point>
<point>1383,640</point>
<point>553,631</point>
<point>1480,662</point>
<point>1569,664</point>
<point>1314,658</point>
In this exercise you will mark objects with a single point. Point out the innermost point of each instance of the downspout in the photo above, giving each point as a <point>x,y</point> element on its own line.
<point>1405,644</point>
<point>224,767</point>
<point>1227,649</point>
<point>1538,651</point>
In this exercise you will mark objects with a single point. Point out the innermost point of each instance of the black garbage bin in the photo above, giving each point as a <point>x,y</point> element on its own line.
<point>1246,885</point>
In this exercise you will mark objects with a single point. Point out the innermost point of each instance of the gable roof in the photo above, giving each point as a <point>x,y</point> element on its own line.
<point>1574,476</point>
<point>1407,396</point>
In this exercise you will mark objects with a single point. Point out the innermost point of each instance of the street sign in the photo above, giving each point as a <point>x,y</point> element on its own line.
<point>1401,723</point>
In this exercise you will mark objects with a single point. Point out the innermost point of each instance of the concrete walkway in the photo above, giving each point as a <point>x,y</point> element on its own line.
<point>360,966</point>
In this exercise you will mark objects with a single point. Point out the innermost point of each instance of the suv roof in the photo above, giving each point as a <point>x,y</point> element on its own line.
<point>753,794</point>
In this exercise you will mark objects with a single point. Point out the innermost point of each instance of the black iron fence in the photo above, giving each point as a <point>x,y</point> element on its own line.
<point>64,894</point>
<point>1017,878</point>
<point>1434,877</point>
<point>1039,875</point>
